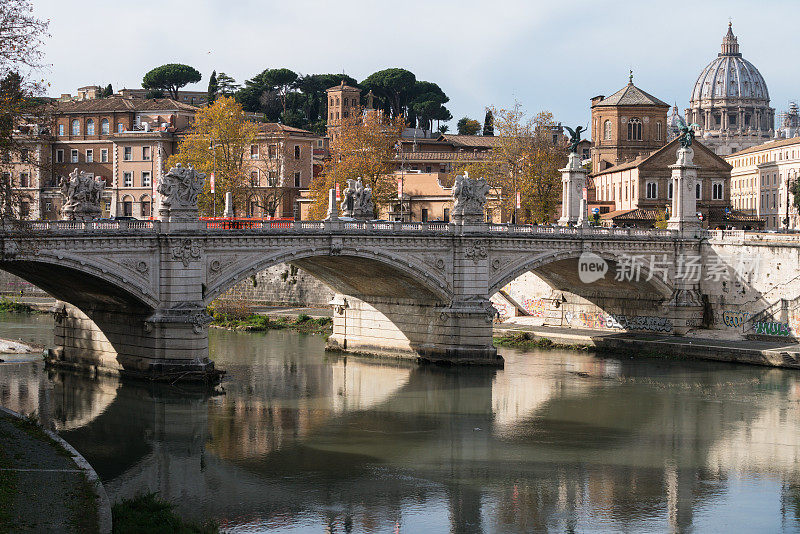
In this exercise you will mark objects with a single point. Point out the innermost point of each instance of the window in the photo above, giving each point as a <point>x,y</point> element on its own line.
<point>320,143</point>
<point>146,208</point>
<point>127,208</point>
<point>76,127</point>
<point>272,178</point>
<point>24,180</point>
<point>74,156</point>
<point>273,151</point>
<point>658,130</point>
<point>146,153</point>
<point>59,156</point>
<point>24,209</point>
<point>127,153</point>
<point>104,155</point>
<point>651,190</point>
<point>120,127</point>
<point>296,151</point>
<point>446,215</point>
<point>48,206</point>
<point>127,179</point>
<point>253,151</point>
<point>424,215</point>
<point>23,154</point>
<point>90,127</point>
<point>607,130</point>
<point>669,191</point>
<point>345,114</point>
<point>698,191</point>
<point>146,179</point>
<point>634,129</point>
<point>254,178</point>
<point>108,205</point>
<point>297,179</point>
<point>717,191</point>
<point>60,129</point>
<point>89,155</point>
<point>104,126</point>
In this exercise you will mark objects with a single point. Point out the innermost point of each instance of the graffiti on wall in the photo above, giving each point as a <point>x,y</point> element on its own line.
<point>619,321</point>
<point>535,307</point>
<point>734,319</point>
<point>769,328</point>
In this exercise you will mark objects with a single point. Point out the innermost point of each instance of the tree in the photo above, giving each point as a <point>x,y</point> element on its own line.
<point>525,160</point>
<point>428,105</point>
<point>394,88</point>
<point>365,148</point>
<point>213,87</point>
<point>275,82</point>
<point>467,126</point>
<point>219,139</point>
<point>488,123</point>
<point>171,78</point>
<point>21,36</point>
<point>108,91</point>
<point>226,85</point>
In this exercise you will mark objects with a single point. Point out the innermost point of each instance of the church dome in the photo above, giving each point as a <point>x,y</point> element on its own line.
<point>730,76</point>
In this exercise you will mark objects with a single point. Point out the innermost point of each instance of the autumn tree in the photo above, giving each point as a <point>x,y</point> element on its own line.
<point>23,116</point>
<point>526,160</point>
<point>364,147</point>
<point>467,126</point>
<point>220,139</point>
<point>170,78</point>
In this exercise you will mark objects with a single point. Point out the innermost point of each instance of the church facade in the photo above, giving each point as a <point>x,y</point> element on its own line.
<point>730,102</point>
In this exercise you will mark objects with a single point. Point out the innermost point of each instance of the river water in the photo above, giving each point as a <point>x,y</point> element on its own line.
<point>306,441</point>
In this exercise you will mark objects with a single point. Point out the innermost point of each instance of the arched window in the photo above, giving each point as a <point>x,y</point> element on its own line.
<point>658,131</point>
<point>145,206</point>
<point>607,130</point>
<point>76,127</point>
<point>634,129</point>
<point>120,127</point>
<point>90,127</point>
<point>104,126</point>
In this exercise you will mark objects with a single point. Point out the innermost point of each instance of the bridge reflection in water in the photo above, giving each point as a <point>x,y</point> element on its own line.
<point>555,441</point>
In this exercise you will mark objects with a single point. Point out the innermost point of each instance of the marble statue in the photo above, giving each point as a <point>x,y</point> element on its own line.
<point>82,196</point>
<point>180,187</point>
<point>470,197</point>
<point>357,201</point>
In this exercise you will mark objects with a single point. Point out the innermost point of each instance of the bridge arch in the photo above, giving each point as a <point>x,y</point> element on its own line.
<point>377,273</point>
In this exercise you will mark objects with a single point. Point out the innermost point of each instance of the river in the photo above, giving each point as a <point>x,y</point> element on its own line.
<point>307,441</point>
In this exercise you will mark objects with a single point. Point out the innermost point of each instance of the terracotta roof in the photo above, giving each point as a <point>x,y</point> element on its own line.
<point>630,95</point>
<point>118,103</point>
<point>766,146</point>
<point>342,86</point>
<point>449,156</point>
<point>277,128</point>
<point>471,141</point>
<point>642,159</point>
<point>639,214</point>
<point>719,214</point>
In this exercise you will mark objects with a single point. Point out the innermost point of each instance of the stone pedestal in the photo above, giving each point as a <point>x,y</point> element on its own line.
<point>583,218</point>
<point>333,207</point>
<point>684,201</point>
<point>228,205</point>
<point>573,182</point>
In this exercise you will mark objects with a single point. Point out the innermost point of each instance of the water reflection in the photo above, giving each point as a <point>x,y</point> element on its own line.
<point>308,441</point>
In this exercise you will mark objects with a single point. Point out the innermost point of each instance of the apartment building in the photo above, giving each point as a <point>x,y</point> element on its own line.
<point>761,178</point>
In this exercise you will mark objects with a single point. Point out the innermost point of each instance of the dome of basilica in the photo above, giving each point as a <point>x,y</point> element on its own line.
<point>730,76</point>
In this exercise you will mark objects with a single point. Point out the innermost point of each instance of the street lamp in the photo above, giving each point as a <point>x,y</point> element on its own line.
<point>790,174</point>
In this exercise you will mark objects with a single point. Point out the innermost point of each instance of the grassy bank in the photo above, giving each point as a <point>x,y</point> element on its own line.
<point>147,514</point>
<point>11,306</point>
<point>527,341</point>
<point>259,323</point>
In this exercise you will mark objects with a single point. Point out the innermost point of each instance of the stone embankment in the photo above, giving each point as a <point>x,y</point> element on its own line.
<point>45,484</point>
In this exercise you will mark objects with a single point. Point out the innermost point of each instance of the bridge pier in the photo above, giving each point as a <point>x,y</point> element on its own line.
<point>456,333</point>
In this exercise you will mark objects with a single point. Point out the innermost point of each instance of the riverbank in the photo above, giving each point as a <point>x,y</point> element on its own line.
<point>45,484</point>
<point>301,323</point>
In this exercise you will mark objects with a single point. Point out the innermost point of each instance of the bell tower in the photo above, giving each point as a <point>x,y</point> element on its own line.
<point>343,101</point>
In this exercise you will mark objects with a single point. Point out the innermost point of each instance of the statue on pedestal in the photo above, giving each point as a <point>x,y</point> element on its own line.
<point>686,133</point>
<point>82,195</point>
<point>178,190</point>
<point>470,198</point>
<point>574,138</point>
<point>357,200</point>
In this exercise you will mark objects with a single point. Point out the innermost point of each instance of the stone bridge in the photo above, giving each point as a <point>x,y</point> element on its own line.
<point>141,288</point>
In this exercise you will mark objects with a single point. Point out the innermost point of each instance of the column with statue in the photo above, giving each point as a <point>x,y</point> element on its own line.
<point>574,208</point>
<point>684,182</point>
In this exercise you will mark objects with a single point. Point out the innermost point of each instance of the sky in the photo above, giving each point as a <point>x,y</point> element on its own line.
<point>548,55</point>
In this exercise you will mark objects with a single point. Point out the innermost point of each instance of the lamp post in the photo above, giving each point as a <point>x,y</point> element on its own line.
<point>790,174</point>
